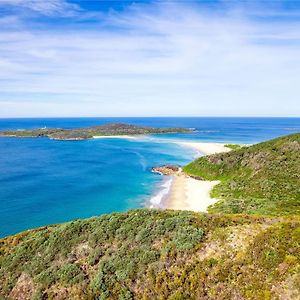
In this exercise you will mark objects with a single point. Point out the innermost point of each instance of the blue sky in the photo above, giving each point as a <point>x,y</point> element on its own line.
<point>149,58</point>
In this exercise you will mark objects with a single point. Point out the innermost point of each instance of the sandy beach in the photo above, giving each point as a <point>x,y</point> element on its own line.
<point>190,194</point>
<point>130,137</point>
<point>205,148</point>
<point>187,193</point>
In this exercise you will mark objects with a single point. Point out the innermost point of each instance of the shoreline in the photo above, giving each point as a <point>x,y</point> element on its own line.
<point>185,192</point>
<point>205,148</point>
<point>180,191</point>
<point>130,137</point>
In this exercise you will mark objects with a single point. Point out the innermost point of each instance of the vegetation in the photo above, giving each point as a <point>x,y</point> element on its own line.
<point>233,146</point>
<point>152,254</point>
<point>88,133</point>
<point>259,179</point>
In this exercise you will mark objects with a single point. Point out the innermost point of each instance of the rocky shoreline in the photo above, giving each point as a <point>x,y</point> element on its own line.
<point>167,170</point>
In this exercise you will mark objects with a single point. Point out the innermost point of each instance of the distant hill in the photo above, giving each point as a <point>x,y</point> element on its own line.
<point>152,254</point>
<point>260,179</point>
<point>89,132</point>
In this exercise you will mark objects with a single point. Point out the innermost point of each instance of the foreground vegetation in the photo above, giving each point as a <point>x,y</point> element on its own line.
<point>90,132</point>
<point>259,179</point>
<point>152,254</point>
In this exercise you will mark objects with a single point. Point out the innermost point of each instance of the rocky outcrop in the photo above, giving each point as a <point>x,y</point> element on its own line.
<point>23,289</point>
<point>167,170</point>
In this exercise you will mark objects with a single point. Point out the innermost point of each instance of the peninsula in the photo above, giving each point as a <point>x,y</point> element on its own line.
<point>113,129</point>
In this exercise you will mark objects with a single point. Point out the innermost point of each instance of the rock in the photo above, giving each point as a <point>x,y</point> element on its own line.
<point>23,289</point>
<point>166,170</point>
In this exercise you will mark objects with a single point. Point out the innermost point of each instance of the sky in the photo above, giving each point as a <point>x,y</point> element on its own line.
<point>71,58</point>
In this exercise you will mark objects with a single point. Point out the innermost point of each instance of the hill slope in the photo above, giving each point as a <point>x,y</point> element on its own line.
<point>151,254</point>
<point>261,179</point>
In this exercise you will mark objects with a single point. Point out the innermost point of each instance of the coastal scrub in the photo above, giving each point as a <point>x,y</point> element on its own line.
<point>259,179</point>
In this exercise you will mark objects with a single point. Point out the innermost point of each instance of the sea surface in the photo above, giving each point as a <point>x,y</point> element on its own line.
<point>46,181</point>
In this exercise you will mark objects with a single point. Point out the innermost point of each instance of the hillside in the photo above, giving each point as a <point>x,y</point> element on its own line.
<point>260,179</point>
<point>90,132</point>
<point>152,254</point>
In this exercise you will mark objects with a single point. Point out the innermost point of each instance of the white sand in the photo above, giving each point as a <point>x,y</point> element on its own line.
<point>190,194</point>
<point>206,148</point>
<point>130,137</point>
<point>187,193</point>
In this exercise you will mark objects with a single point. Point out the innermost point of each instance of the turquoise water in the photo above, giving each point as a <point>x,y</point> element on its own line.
<point>44,181</point>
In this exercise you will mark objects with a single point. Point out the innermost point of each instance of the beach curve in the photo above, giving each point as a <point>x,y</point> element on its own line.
<point>187,193</point>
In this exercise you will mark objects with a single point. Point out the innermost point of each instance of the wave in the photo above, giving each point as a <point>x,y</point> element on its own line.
<point>291,128</point>
<point>142,160</point>
<point>157,200</point>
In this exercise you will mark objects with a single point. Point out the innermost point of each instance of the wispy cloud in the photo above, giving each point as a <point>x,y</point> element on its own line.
<point>44,7</point>
<point>154,59</point>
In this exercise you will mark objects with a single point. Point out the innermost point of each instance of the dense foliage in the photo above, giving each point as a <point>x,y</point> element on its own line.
<point>152,254</point>
<point>89,132</point>
<point>261,179</point>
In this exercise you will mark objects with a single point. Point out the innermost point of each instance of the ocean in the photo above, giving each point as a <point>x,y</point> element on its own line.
<point>45,181</point>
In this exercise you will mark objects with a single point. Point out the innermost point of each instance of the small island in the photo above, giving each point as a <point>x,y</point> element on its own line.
<point>113,129</point>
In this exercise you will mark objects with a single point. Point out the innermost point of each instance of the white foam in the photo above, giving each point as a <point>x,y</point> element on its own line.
<point>156,200</point>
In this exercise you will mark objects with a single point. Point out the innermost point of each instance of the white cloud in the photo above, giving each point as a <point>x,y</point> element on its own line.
<point>45,7</point>
<point>165,59</point>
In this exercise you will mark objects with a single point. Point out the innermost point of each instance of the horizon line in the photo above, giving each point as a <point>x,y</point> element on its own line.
<point>132,117</point>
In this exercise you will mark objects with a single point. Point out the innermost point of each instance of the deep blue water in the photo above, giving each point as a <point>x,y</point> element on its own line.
<point>44,181</point>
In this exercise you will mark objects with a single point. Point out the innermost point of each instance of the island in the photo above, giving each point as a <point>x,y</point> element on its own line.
<point>112,129</point>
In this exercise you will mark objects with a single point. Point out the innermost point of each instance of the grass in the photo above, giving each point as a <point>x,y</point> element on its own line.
<point>259,179</point>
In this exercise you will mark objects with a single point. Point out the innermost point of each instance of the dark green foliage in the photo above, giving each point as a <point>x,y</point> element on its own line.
<point>152,254</point>
<point>186,238</point>
<point>88,133</point>
<point>260,179</point>
<point>95,256</point>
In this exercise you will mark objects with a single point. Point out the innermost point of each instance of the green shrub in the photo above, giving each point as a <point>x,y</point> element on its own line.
<point>70,274</point>
<point>259,179</point>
